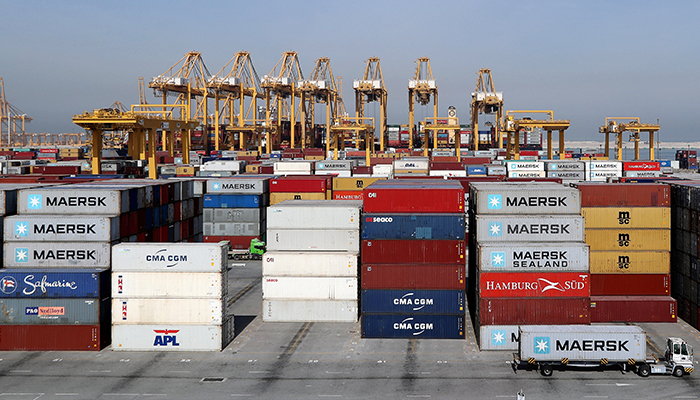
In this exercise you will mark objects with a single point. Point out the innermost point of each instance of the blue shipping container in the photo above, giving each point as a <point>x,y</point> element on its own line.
<point>413,226</point>
<point>413,302</point>
<point>64,283</point>
<point>233,201</point>
<point>55,311</point>
<point>666,163</point>
<point>479,170</point>
<point>413,326</point>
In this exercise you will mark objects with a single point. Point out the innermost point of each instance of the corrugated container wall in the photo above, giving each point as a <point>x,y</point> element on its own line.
<point>172,337</point>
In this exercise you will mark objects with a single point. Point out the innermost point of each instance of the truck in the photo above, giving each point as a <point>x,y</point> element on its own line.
<point>549,347</point>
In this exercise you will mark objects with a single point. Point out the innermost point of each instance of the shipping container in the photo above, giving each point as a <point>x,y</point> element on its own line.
<point>54,337</point>
<point>518,198</point>
<point>413,226</point>
<point>308,214</point>
<point>61,228</point>
<point>533,285</point>
<point>529,228</point>
<point>624,195</point>
<point>348,195</point>
<point>54,311</point>
<point>630,262</point>
<point>95,200</point>
<point>288,263</point>
<point>309,311</point>
<point>233,228</point>
<point>174,257</point>
<point>524,166</point>
<point>234,214</point>
<point>300,184</point>
<point>563,166</point>
<point>533,257</point>
<point>313,240</point>
<point>293,167</point>
<point>567,175</point>
<point>410,301</point>
<point>526,174</point>
<point>630,284</point>
<point>333,165</point>
<point>53,283</point>
<point>130,311</point>
<point>603,165</point>
<point>224,165</point>
<point>519,311</point>
<point>627,217</point>
<point>278,197</point>
<point>235,200</point>
<point>633,309</point>
<point>641,166</point>
<point>413,251</point>
<point>309,288</point>
<point>414,196</point>
<point>172,337</point>
<point>499,337</point>
<point>629,239</point>
<point>239,184</point>
<point>413,276</point>
<point>413,326</point>
<point>57,254</point>
<point>194,285</point>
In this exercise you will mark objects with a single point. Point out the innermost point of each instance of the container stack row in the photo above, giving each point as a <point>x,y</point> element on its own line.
<point>293,187</point>
<point>628,229</point>
<point>310,267</point>
<point>170,297</point>
<point>413,260</point>
<point>685,233</point>
<point>235,210</point>
<point>529,259</point>
<point>687,159</point>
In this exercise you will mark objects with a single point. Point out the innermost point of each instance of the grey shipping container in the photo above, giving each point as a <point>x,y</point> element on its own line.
<point>96,200</point>
<point>529,228</point>
<point>245,185</point>
<point>564,166</point>
<point>568,175</point>
<point>52,311</point>
<point>334,165</point>
<point>233,228</point>
<point>57,254</point>
<point>526,257</point>
<point>61,228</point>
<point>313,240</point>
<point>234,214</point>
<point>504,198</point>
<point>499,337</point>
<point>315,214</point>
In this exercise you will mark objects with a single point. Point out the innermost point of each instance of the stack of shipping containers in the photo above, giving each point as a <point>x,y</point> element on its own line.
<point>350,188</point>
<point>628,231</point>
<point>528,257</point>
<point>685,230</point>
<point>413,260</point>
<point>687,159</point>
<point>600,171</point>
<point>310,267</point>
<point>170,297</point>
<point>300,188</point>
<point>525,169</point>
<point>235,210</point>
<point>567,171</point>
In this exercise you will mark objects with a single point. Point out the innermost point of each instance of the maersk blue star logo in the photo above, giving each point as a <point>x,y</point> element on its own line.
<point>21,255</point>
<point>34,202</point>
<point>495,201</point>
<point>498,259</point>
<point>498,337</point>
<point>552,166</point>
<point>541,345</point>
<point>496,229</point>
<point>21,229</point>
<point>216,186</point>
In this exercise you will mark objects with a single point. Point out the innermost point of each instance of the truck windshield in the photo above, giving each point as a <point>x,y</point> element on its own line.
<point>676,348</point>
<point>684,350</point>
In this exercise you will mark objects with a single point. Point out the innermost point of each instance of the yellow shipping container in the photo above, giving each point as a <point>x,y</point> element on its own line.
<point>252,153</point>
<point>629,239</point>
<point>350,183</point>
<point>282,196</point>
<point>186,171</point>
<point>314,158</point>
<point>630,262</point>
<point>252,169</point>
<point>627,217</point>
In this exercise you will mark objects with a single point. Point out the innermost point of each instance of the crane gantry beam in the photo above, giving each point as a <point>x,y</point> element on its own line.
<point>420,89</point>
<point>13,120</point>
<point>282,85</point>
<point>513,126</point>
<point>486,100</point>
<point>368,89</point>
<point>632,125</point>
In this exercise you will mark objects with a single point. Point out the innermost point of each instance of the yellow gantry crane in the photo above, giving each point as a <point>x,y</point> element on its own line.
<point>234,86</point>
<point>632,125</point>
<point>368,89</point>
<point>420,89</point>
<point>320,88</point>
<point>282,85</point>
<point>513,126</point>
<point>12,121</point>
<point>486,100</point>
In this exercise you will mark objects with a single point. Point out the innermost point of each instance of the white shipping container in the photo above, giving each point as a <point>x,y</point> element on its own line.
<point>313,240</point>
<point>496,170</point>
<point>314,214</point>
<point>516,198</point>
<point>529,228</point>
<point>341,174</point>
<point>526,174</point>
<point>567,175</point>
<point>409,164</point>
<point>233,228</point>
<point>236,166</point>
<point>563,166</point>
<point>602,175</point>
<point>284,263</point>
<point>61,228</point>
<point>293,167</point>
<point>310,288</point>
<point>499,337</point>
<point>524,165</point>
<point>531,257</point>
<point>210,285</point>
<point>382,169</point>
<point>309,311</point>
<point>174,257</point>
<point>642,174</point>
<point>459,173</point>
<point>172,337</point>
<point>87,201</point>
<point>57,254</point>
<point>240,184</point>
<point>130,311</point>
<point>234,214</point>
<point>334,165</point>
<point>603,165</point>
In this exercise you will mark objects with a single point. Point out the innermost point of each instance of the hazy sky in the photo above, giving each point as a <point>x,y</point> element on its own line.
<point>584,60</point>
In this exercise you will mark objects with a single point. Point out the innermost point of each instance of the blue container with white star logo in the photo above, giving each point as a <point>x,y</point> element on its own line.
<point>64,283</point>
<point>413,226</point>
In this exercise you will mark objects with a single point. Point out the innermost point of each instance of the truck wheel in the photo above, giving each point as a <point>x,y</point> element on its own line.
<point>678,372</point>
<point>546,370</point>
<point>644,370</point>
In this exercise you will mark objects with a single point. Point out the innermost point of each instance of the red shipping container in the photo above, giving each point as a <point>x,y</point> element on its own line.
<point>633,309</point>
<point>624,194</point>
<point>237,242</point>
<point>413,276</point>
<point>54,337</point>
<point>361,170</point>
<point>348,195</point>
<point>53,151</point>
<point>641,166</point>
<point>464,181</point>
<point>441,159</point>
<point>380,160</point>
<point>533,284</point>
<point>446,166</point>
<point>266,169</point>
<point>630,284</point>
<point>528,152</point>
<point>413,251</point>
<point>477,160</point>
<point>300,184</point>
<point>524,311</point>
<point>124,225</point>
<point>406,196</point>
<point>57,169</point>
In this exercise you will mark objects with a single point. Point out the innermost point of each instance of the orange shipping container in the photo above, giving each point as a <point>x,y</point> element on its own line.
<point>627,217</point>
<point>630,262</point>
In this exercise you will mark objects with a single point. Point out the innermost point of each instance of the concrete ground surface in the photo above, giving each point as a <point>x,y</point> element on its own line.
<point>322,360</point>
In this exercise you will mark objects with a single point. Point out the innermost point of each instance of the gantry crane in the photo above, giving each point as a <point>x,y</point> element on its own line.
<point>420,89</point>
<point>513,126</point>
<point>635,127</point>
<point>319,88</point>
<point>282,85</point>
<point>12,121</point>
<point>234,86</point>
<point>186,80</point>
<point>368,89</point>
<point>486,100</point>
